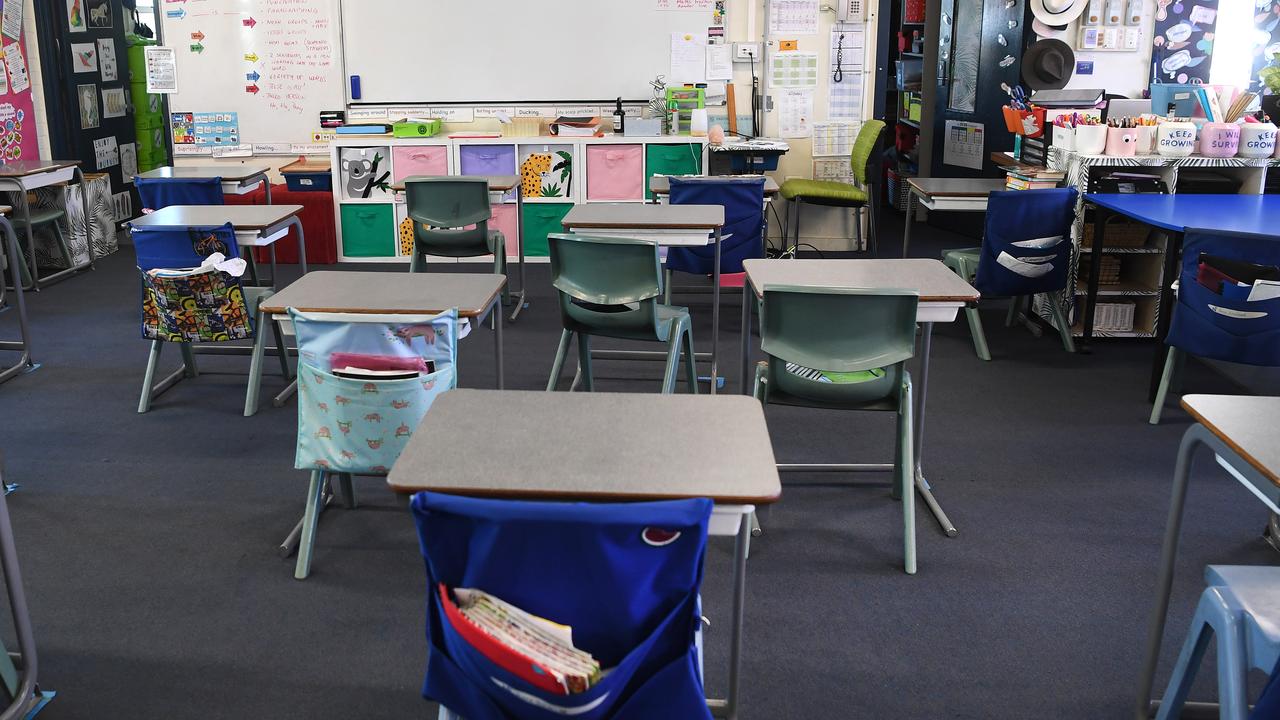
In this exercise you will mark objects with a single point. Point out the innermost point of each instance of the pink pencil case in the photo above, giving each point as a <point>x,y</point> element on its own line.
<point>376,362</point>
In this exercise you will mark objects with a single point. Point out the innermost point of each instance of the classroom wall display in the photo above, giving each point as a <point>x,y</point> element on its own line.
<point>99,13</point>
<point>113,103</point>
<point>84,57</point>
<point>1183,42</point>
<point>208,128</point>
<point>76,20</point>
<point>17,132</point>
<point>88,97</point>
<point>107,59</point>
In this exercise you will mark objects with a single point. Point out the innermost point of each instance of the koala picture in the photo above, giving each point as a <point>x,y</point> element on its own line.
<point>362,176</point>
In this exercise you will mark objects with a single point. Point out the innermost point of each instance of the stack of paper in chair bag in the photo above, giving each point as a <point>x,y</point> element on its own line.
<point>535,649</point>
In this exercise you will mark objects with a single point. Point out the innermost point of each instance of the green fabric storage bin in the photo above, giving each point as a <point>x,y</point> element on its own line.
<point>147,120</point>
<point>368,230</point>
<point>137,63</point>
<point>674,159</point>
<point>151,140</point>
<point>539,220</point>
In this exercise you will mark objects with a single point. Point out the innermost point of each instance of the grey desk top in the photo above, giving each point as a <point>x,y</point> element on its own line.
<point>661,185</point>
<point>957,187</point>
<point>243,217</point>
<point>644,216</point>
<point>21,168</point>
<point>388,293</point>
<point>497,183</point>
<point>591,446</point>
<point>1246,423</point>
<point>930,278</point>
<point>229,173</point>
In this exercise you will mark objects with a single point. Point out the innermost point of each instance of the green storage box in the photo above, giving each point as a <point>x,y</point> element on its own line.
<point>674,159</point>
<point>151,139</point>
<point>148,120</point>
<point>539,220</point>
<point>415,128</point>
<point>368,230</point>
<point>137,64</point>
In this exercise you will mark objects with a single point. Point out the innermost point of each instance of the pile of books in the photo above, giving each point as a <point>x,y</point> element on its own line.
<point>1027,178</point>
<point>582,126</point>
<point>535,649</point>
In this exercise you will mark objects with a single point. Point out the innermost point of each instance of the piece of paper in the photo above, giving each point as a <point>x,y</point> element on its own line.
<point>1264,290</point>
<point>793,69</point>
<point>99,13</point>
<point>113,105</point>
<point>793,17</point>
<point>105,153</point>
<point>11,26</point>
<point>688,58</point>
<point>89,115</point>
<point>4,82</point>
<point>833,138</point>
<point>129,161</point>
<point>162,69</point>
<point>212,128</point>
<point>76,20</point>
<point>845,77</point>
<point>795,112</point>
<point>18,79</point>
<point>963,143</point>
<point>703,5</point>
<point>107,60</point>
<point>84,57</point>
<point>719,62</point>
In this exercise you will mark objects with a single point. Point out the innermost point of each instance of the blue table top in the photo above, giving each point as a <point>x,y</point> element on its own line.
<point>1175,213</point>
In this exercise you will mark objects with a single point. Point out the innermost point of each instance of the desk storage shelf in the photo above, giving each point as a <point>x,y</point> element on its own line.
<point>1141,259</point>
<point>555,172</point>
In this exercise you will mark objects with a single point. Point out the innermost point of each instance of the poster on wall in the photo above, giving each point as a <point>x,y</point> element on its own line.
<point>12,23</point>
<point>17,141</point>
<point>105,153</point>
<point>89,117</point>
<point>206,128</point>
<point>84,57</point>
<point>107,59</point>
<point>99,13</point>
<point>16,62</point>
<point>113,104</point>
<point>1182,48</point>
<point>162,69</point>
<point>75,16</point>
<point>129,161</point>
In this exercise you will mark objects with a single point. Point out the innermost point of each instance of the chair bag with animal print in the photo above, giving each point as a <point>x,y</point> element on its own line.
<point>364,383</point>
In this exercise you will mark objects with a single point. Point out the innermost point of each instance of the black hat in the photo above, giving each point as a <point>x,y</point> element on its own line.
<point>1047,65</point>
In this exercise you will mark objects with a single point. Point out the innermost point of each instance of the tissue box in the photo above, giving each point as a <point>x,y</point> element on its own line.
<point>643,127</point>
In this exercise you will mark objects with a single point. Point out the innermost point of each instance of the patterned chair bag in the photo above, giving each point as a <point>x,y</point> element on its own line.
<point>191,289</point>
<point>360,425</point>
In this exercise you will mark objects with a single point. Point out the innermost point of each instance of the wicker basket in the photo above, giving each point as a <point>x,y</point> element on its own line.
<point>1120,233</point>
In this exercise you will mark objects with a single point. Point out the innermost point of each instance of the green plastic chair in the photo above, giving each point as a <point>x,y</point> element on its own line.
<point>864,160</point>
<point>451,219</point>
<point>610,286</point>
<point>844,349</point>
<point>42,217</point>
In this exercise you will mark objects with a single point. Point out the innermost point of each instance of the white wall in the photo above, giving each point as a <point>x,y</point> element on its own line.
<point>1120,73</point>
<point>36,72</point>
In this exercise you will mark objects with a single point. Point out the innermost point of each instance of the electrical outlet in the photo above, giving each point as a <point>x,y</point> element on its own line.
<point>744,51</point>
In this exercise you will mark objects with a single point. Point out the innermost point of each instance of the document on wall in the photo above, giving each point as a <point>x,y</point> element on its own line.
<point>795,112</point>
<point>106,153</point>
<point>162,69</point>
<point>720,62</point>
<point>834,138</point>
<point>963,143</point>
<point>17,65</point>
<point>845,80</point>
<point>793,17</point>
<point>703,5</point>
<point>12,23</point>
<point>793,69</point>
<point>688,58</point>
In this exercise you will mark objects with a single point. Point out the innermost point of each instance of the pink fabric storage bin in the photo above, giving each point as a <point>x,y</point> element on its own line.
<point>615,172</point>
<point>504,219</point>
<point>420,160</point>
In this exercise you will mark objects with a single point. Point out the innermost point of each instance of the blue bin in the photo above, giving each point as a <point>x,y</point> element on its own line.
<point>309,181</point>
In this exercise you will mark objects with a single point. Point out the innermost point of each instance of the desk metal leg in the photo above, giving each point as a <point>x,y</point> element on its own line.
<point>522,294</point>
<point>1100,216</point>
<point>24,364</point>
<point>728,707</point>
<point>296,223</point>
<point>28,696</point>
<point>267,183</point>
<point>275,273</point>
<point>715,315</point>
<point>922,485</point>
<point>911,218</point>
<point>1172,256</point>
<point>747,300</point>
<point>496,309</point>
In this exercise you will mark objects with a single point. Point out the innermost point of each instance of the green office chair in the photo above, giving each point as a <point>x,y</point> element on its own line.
<point>610,287</point>
<point>451,219</point>
<point>844,349</point>
<point>864,160</point>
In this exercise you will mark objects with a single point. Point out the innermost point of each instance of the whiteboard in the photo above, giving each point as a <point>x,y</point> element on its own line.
<point>275,63</point>
<point>427,51</point>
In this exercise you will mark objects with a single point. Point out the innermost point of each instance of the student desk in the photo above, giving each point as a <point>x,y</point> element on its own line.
<point>1241,432</point>
<point>659,447</point>
<point>660,185</point>
<point>255,225</point>
<point>20,176</point>
<point>1173,214</point>
<point>498,185</point>
<point>669,225</point>
<point>946,195</point>
<point>942,294</point>
<point>10,243</point>
<point>475,295</point>
<point>236,179</point>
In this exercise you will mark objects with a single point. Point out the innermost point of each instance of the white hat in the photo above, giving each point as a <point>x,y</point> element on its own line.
<point>1048,31</point>
<point>1057,12</point>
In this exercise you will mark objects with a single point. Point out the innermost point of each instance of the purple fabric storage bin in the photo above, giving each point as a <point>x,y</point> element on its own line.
<point>488,160</point>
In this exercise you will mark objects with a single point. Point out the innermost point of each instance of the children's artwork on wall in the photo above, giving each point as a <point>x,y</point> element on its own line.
<point>113,104</point>
<point>17,141</point>
<point>89,116</point>
<point>11,137</point>
<point>1183,42</point>
<point>84,57</point>
<point>106,153</point>
<point>107,59</point>
<point>129,161</point>
<point>76,20</point>
<point>99,13</point>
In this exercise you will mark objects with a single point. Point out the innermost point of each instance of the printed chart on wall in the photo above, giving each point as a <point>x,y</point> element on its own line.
<point>17,132</point>
<point>253,75</point>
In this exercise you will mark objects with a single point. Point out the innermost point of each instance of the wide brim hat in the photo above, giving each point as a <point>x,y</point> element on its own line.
<point>1057,12</point>
<point>1048,65</point>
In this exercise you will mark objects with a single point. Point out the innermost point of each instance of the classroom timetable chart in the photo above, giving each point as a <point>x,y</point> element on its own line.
<point>963,144</point>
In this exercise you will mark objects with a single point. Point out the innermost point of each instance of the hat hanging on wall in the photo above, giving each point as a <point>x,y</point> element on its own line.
<point>1047,65</point>
<point>1048,31</point>
<point>1057,12</point>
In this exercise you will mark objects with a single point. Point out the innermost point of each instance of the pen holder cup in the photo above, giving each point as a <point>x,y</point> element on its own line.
<point>1122,142</point>
<point>1257,140</point>
<point>1176,139</point>
<point>1064,137</point>
<point>1091,139</point>
<point>1145,143</point>
<point>1220,140</point>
